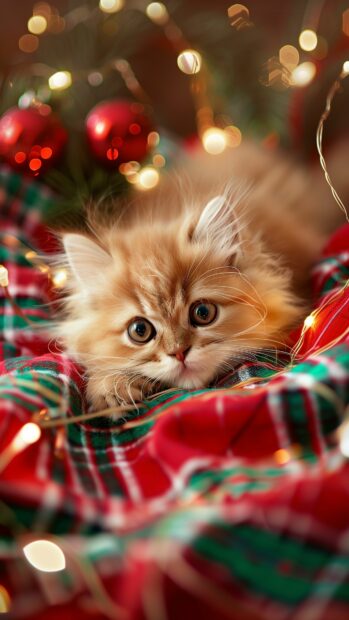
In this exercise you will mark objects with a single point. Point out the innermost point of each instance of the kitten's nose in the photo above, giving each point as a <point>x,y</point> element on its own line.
<point>180,354</point>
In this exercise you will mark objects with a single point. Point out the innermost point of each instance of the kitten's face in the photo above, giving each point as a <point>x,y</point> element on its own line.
<point>177,304</point>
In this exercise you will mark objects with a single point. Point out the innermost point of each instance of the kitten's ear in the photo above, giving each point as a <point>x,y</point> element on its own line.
<point>218,225</point>
<point>86,259</point>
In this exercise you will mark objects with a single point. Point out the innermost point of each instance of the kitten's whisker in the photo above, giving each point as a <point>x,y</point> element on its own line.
<point>218,271</point>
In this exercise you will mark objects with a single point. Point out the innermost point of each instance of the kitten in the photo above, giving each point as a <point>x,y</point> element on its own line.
<point>175,292</point>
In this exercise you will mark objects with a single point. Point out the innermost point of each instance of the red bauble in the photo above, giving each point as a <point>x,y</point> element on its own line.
<point>31,139</point>
<point>117,132</point>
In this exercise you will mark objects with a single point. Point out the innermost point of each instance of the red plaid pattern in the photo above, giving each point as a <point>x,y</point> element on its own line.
<point>185,508</point>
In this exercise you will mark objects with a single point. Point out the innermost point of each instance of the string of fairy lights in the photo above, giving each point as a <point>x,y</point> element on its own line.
<point>47,555</point>
<point>287,70</point>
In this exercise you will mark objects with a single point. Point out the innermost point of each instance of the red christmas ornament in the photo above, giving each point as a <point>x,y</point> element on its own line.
<point>117,132</point>
<point>31,139</point>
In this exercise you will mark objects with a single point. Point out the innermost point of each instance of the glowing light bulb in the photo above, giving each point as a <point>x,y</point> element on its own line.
<point>111,6</point>
<point>45,556</point>
<point>303,74</point>
<point>345,67</point>
<point>309,321</point>
<point>157,12</point>
<point>60,80</point>
<point>28,434</point>
<point>59,278</point>
<point>147,178</point>
<point>189,62</point>
<point>3,276</point>
<point>308,40</point>
<point>214,140</point>
<point>37,24</point>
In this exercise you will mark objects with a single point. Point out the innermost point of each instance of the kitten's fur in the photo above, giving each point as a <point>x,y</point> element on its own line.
<point>249,254</point>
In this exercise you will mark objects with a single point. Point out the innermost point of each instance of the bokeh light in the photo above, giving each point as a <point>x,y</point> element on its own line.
<point>26,100</point>
<point>309,321</point>
<point>233,136</point>
<point>59,277</point>
<point>111,6</point>
<point>46,152</point>
<point>189,61</point>
<point>345,22</point>
<point>343,434</point>
<point>157,12</point>
<point>20,157</point>
<point>148,178</point>
<point>303,74</point>
<point>159,160</point>
<point>5,600</point>
<point>45,555</point>
<point>60,80</point>
<point>289,56</point>
<point>3,276</point>
<point>37,24</point>
<point>239,16</point>
<point>95,78</point>
<point>282,456</point>
<point>28,43</point>
<point>214,140</point>
<point>42,8</point>
<point>35,164</point>
<point>308,40</point>
<point>153,139</point>
<point>275,74</point>
<point>28,434</point>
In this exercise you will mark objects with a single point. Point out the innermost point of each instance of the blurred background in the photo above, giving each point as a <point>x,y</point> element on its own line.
<point>98,95</point>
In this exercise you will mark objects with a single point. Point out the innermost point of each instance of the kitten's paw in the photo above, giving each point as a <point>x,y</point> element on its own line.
<point>105,403</point>
<point>102,395</point>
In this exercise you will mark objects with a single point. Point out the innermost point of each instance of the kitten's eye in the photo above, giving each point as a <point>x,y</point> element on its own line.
<point>202,313</point>
<point>141,331</point>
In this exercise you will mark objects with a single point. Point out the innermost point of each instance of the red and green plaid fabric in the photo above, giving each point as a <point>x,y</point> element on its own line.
<point>186,511</point>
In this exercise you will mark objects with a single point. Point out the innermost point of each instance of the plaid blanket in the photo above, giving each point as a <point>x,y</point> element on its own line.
<point>219,503</point>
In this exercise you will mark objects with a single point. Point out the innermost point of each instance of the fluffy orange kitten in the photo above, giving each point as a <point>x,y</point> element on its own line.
<point>179,288</point>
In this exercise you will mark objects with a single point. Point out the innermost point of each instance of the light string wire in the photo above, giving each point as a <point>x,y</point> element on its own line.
<point>336,86</point>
